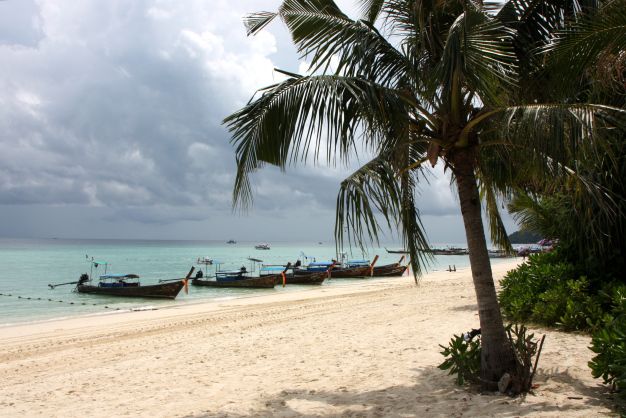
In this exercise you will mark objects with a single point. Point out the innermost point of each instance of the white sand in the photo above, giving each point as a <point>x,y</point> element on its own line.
<point>359,350</point>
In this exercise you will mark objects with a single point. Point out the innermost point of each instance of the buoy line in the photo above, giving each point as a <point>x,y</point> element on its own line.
<point>56,301</point>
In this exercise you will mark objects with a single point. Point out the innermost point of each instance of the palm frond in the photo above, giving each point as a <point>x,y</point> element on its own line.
<point>375,189</point>
<point>322,32</point>
<point>497,229</point>
<point>256,22</point>
<point>584,43</point>
<point>309,116</point>
<point>371,9</point>
<point>479,52</point>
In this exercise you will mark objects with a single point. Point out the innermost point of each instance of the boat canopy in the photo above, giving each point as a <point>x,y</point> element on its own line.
<point>321,263</point>
<point>119,276</point>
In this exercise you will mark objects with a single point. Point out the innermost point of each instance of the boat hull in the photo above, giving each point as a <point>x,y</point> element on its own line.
<point>162,291</point>
<point>252,282</point>
<point>389,270</point>
<point>316,278</point>
<point>350,273</point>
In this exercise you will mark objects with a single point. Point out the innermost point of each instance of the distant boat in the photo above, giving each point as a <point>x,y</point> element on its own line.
<point>231,241</point>
<point>449,251</point>
<point>396,251</point>
<point>500,254</point>
<point>262,246</point>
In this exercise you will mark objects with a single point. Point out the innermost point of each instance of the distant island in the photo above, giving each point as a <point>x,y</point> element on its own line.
<point>524,237</point>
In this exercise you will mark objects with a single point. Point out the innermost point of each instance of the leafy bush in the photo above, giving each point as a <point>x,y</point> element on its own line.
<point>462,358</point>
<point>550,291</point>
<point>609,344</point>
<point>464,351</point>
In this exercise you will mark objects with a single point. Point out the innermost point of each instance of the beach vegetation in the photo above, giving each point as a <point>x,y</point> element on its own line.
<point>462,358</point>
<point>609,344</point>
<point>414,85</point>
<point>463,354</point>
<point>548,290</point>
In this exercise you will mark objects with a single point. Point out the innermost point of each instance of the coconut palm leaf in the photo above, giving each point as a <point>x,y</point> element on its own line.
<point>376,188</point>
<point>586,43</point>
<point>309,116</point>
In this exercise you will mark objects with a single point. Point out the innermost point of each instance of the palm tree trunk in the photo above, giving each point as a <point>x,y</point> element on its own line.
<point>497,355</point>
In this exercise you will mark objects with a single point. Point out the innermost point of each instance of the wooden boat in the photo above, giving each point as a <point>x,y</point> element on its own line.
<point>251,282</point>
<point>126,286</point>
<point>350,272</point>
<point>291,277</point>
<point>316,278</point>
<point>347,271</point>
<point>390,270</point>
<point>234,278</point>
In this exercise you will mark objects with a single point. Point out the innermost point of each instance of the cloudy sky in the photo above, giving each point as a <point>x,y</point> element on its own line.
<point>110,125</point>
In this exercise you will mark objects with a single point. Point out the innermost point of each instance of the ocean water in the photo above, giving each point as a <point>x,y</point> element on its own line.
<point>27,266</point>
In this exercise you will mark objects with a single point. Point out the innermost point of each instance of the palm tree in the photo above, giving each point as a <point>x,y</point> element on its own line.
<point>432,83</point>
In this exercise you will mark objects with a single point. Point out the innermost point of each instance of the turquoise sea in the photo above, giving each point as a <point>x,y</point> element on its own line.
<point>27,266</point>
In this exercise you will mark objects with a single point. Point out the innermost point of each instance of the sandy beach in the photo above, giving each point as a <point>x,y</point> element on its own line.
<point>369,350</point>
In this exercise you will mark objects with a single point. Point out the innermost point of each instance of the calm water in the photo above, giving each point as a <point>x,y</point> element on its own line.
<point>27,266</point>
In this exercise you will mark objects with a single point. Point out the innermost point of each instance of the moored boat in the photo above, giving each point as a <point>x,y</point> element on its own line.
<point>251,282</point>
<point>262,246</point>
<point>125,285</point>
<point>233,278</point>
<point>291,277</point>
<point>403,251</point>
<point>120,285</point>
<point>500,254</point>
<point>390,270</point>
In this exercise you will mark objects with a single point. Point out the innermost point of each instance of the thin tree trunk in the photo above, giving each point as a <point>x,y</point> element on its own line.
<point>497,355</point>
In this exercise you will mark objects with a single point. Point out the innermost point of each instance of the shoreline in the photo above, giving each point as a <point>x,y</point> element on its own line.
<point>367,349</point>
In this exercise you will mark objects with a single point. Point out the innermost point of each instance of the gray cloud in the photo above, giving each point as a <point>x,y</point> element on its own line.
<point>111,112</point>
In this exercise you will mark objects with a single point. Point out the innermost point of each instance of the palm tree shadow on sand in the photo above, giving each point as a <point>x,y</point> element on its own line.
<point>434,394</point>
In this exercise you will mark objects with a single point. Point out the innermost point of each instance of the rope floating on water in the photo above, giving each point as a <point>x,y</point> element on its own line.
<point>56,300</point>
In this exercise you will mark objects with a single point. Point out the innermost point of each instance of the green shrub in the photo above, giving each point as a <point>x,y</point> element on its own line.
<point>609,344</point>
<point>522,287</point>
<point>568,304</point>
<point>462,359</point>
<point>548,290</point>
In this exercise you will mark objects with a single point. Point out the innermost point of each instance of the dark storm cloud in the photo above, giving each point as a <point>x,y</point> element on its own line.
<point>113,109</point>
<point>120,103</point>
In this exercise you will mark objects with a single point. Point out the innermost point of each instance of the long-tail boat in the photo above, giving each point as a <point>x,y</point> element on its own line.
<point>251,282</point>
<point>128,285</point>
<point>354,268</point>
<point>233,278</point>
<point>390,270</point>
<point>291,277</point>
<point>403,251</point>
